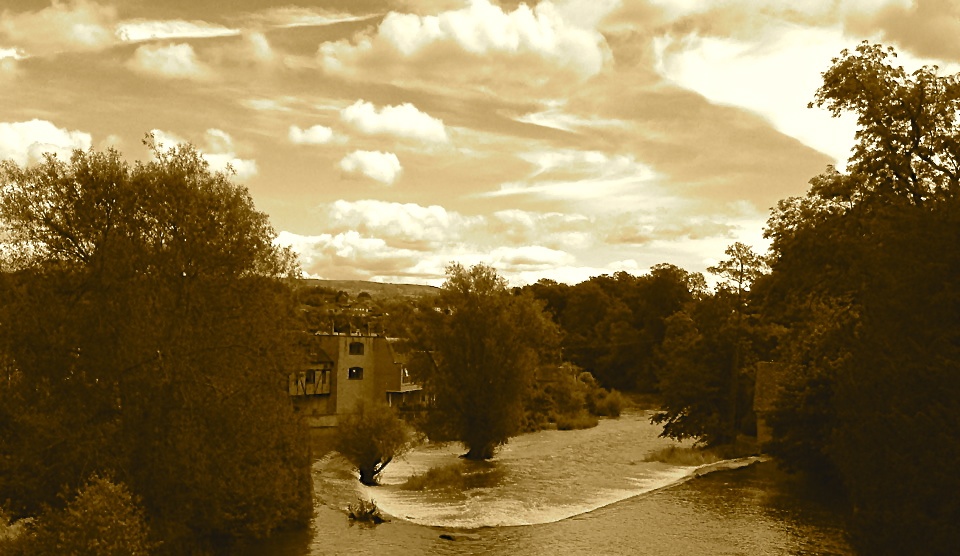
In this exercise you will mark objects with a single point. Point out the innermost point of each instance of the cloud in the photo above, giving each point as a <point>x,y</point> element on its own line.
<point>403,120</point>
<point>481,46</point>
<point>174,61</point>
<point>217,149</point>
<point>314,135</point>
<point>349,255</point>
<point>927,27</point>
<point>775,77</point>
<point>26,142</point>
<point>380,166</point>
<point>139,30</point>
<point>295,16</point>
<point>60,27</point>
<point>405,224</point>
<point>587,178</point>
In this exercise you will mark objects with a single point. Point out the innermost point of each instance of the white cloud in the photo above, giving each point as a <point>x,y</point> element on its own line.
<point>11,54</point>
<point>294,16</point>
<point>26,142</point>
<point>380,166</point>
<point>73,26</point>
<point>479,45</point>
<point>404,120</point>
<point>177,61</point>
<point>314,135</point>
<point>145,30</point>
<point>775,77</point>
<point>217,149</point>
<point>483,27</point>
<point>406,224</point>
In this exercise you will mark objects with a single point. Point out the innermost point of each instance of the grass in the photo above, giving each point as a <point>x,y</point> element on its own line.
<point>461,475</point>
<point>582,420</point>
<point>693,456</point>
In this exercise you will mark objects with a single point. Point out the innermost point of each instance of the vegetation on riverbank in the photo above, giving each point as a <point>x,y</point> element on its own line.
<point>460,475</point>
<point>145,322</point>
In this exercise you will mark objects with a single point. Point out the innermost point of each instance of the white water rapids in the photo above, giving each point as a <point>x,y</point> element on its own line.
<point>537,478</point>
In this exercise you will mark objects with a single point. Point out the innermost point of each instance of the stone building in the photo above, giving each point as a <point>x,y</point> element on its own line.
<point>343,369</point>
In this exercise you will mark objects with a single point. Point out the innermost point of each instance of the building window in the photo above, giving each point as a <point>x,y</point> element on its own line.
<point>355,373</point>
<point>356,348</point>
<point>311,377</point>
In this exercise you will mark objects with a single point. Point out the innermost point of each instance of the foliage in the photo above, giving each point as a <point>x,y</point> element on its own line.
<point>864,291</point>
<point>365,512</point>
<point>371,437</point>
<point>144,327</point>
<point>103,519</point>
<point>459,476</point>
<point>613,326</point>
<point>708,352</point>
<point>487,344</point>
<point>686,456</point>
<point>576,421</point>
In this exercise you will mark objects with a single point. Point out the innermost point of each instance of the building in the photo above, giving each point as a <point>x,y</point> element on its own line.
<point>343,369</point>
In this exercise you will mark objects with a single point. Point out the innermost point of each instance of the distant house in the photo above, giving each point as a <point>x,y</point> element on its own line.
<point>343,369</point>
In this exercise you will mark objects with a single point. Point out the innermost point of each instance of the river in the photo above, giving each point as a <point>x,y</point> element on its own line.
<point>574,492</point>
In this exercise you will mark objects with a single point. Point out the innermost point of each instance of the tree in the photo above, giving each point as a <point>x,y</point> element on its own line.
<point>487,344</point>
<point>370,438</point>
<point>145,323</point>
<point>908,143</point>
<point>863,286</point>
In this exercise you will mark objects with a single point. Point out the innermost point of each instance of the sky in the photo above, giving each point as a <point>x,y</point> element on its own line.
<point>386,139</point>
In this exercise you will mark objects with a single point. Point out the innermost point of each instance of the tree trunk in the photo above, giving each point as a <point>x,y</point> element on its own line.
<point>367,475</point>
<point>479,453</point>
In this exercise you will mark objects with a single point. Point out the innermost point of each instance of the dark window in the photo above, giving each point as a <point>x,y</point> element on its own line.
<point>356,348</point>
<point>355,373</point>
<point>311,377</point>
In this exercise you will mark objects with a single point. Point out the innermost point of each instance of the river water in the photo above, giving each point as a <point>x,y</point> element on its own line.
<point>574,492</point>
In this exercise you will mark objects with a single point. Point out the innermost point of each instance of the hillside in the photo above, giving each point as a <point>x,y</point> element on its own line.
<point>375,289</point>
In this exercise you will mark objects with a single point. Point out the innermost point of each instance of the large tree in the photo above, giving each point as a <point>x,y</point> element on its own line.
<point>864,288</point>
<point>487,344</point>
<point>144,329</point>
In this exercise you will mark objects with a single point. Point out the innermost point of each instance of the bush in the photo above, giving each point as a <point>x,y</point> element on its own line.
<point>104,519</point>
<point>581,420</point>
<point>605,403</point>
<point>462,475</point>
<point>365,512</point>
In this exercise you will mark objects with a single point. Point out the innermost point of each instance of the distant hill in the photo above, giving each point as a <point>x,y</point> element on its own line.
<point>375,289</point>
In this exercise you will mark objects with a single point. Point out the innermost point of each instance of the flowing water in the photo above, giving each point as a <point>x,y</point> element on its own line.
<point>574,492</point>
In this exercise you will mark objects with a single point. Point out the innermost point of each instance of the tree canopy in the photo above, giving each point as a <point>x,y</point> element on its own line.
<point>487,344</point>
<point>145,332</point>
<point>863,290</point>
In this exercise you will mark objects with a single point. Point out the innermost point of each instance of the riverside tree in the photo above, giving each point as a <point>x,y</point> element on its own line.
<point>864,287</point>
<point>487,344</point>
<point>370,438</point>
<point>145,335</point>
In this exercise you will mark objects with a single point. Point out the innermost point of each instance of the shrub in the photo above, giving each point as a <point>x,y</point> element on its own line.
<point>365,512</point>
<point>581,420</point>
<point>104,519</point>
<point>605,403</point>
<point>462,475</point>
